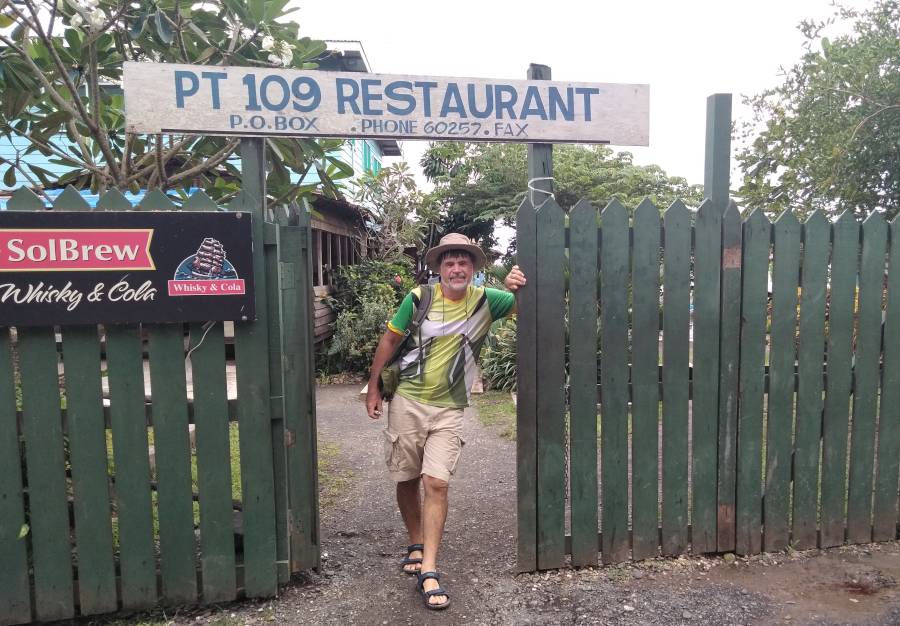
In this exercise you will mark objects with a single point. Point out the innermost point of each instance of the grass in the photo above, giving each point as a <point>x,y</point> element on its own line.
<point>333,483</point>
<point>497,411</point>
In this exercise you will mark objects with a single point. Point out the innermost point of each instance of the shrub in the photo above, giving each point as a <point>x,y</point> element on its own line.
<point>365,296</point>
<point>498,362</point>
<point>370,280</point>
<point>356,335</point>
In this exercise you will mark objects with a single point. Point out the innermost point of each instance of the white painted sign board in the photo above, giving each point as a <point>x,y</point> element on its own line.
<point>253,101</point>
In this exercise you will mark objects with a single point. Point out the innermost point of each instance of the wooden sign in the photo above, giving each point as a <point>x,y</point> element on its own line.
<point>59,267</point>
<point>252,101</point>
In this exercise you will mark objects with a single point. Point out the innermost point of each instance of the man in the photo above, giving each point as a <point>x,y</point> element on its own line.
<point>423,438</point>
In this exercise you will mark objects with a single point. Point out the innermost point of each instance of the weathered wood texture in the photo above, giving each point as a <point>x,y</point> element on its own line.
<point>99,417</point>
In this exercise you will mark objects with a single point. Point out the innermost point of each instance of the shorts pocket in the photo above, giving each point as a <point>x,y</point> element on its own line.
<point>391,456</point>
<point>460,442</point>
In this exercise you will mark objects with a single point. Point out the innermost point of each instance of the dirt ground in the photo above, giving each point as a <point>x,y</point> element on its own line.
<point>362,538</point>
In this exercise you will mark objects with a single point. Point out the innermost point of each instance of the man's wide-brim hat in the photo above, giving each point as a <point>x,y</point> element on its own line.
<point>455,241</point>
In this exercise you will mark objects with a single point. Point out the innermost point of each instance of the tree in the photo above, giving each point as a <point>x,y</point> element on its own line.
<point>60,75</point>
<point>830,133</point>
<point>400,217</point>
<point>478,184</point>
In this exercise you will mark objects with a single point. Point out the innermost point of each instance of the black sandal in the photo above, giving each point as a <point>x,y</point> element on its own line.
<point>426,595</point>
<point>408,560</point>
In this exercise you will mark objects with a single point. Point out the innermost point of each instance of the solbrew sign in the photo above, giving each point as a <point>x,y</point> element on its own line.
<point>60,267</point>
<point>172,98</point>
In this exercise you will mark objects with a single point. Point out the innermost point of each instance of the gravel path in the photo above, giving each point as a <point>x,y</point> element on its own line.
<point>362,538</point>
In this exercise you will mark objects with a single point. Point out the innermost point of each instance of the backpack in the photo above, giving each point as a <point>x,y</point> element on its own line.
<point>390,375</point>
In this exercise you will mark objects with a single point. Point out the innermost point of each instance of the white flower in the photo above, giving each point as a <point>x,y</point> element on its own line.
<point>287,56</point>
<point>274,58</point>
<point>90,4</point>
<point>96,18</point>
<point>76,21</point>
<point>268,42</point>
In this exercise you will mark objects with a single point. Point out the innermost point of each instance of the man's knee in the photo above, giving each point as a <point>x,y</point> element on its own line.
<point>435,485</point>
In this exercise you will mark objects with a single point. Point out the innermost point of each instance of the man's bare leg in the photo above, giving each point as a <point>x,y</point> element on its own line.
<point>410,503</point>
<point>435,514</point>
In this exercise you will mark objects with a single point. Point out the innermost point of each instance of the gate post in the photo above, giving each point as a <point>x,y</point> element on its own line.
<point>717,174</point>
<point>716,187</point>
<point>251,346</point>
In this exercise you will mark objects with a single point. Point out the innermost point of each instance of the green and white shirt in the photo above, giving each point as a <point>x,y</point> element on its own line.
<point>438,368</point>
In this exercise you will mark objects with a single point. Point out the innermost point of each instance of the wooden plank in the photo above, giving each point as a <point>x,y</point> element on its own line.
<point>729,351</point>
<point>645,374</point>
<point>676,333</point>
<point>217,560</point>
<point>46,473</point>
<point>24,199</point>
<point>15,601</point>
<point>173,464</point>
<point>885,501</point>
<point>835,422</point>
<point>748,497</point>
<point>90,471</point>
<point>252,365</point>
<point>810,358</point>
<point>299,394</point>
<point>614,275</point>
<point>70,200</point>
<point>124,358</point>
<point>705,376</point>
<point>308,437</point>
<point>276,391</point>
<point>526,388</point>
<point>551,342</point>
<point>583,383</point>
<point>782,356</point>
<point>865,379</point>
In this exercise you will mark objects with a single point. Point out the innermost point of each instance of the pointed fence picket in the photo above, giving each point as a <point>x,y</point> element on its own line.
<point>745,392</point>
<point>120,463</point>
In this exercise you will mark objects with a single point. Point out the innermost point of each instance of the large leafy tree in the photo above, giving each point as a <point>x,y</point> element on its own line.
<point>477,185</point>
<point>400,218</point>
<point>829,136</point>
<point>60,95</point>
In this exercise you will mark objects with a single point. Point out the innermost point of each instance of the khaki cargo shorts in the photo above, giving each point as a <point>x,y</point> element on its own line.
<point>422,439</point>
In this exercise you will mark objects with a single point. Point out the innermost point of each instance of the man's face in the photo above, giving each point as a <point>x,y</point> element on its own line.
<point>456,271</point>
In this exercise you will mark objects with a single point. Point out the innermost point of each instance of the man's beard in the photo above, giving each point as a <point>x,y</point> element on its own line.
<point>447,284</point>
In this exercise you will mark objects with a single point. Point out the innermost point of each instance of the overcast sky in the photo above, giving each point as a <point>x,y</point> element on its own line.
<point>684,50</point>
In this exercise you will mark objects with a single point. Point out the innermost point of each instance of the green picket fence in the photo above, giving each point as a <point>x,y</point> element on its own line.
<point>727,416</point>
<point>86,526</point>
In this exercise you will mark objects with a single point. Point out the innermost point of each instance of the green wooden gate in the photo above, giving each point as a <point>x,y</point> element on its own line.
<point>748,395</point>
<point>87,524</point>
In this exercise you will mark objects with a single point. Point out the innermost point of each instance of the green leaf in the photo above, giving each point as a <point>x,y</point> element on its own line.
<point>257,10</point>
<point>6,21</point>
<point>9,179</point>
<point>74,40</point>
<point>138,27</point>
<point>163,28</point>
<point>24,529</point>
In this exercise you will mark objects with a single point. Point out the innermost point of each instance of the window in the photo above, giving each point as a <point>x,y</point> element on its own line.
<point>376,166</point>
<point>367,157</point>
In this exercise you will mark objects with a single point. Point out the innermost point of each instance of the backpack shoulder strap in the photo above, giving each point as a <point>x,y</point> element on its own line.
<point>423,305</point>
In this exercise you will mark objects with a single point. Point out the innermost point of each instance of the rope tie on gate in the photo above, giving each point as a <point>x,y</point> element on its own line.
<point>532,189</point>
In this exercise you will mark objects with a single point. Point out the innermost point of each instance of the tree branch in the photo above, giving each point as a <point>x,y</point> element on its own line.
<point>209,163</point>
<point>66,157</point>
<point>38,187</point>
<point>98,132</point>
<point>79,139</point>
<point>160,162</point>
